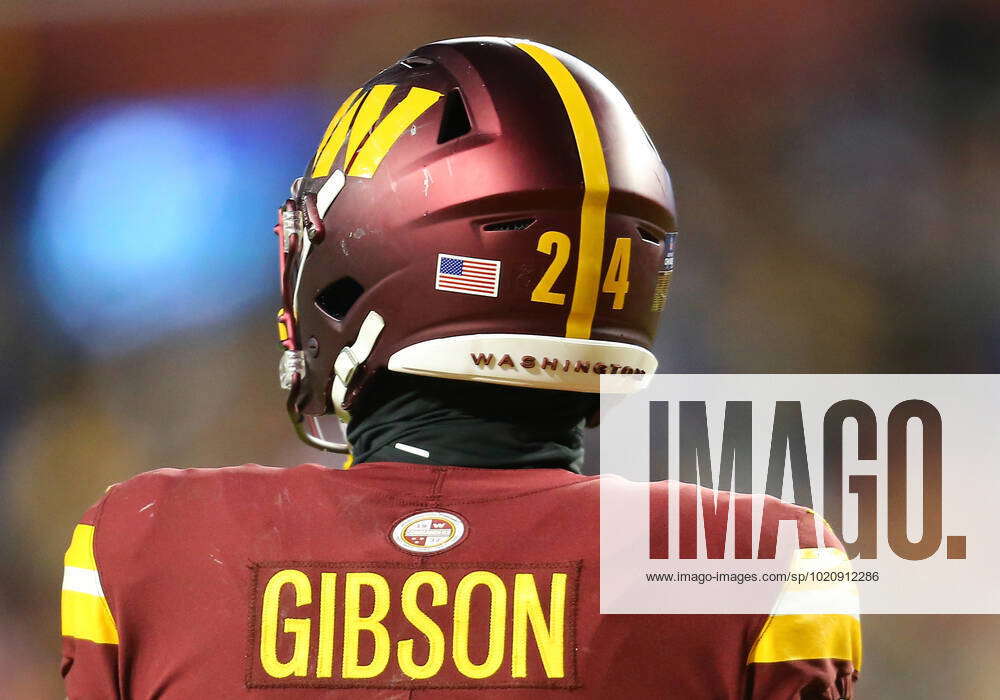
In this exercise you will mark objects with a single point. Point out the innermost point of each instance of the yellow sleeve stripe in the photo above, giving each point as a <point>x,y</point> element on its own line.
<point>799,637</point>
<point>813,620</point>
<point>88,617</point>
<point>81,550</point>
<point>832,594</point>
<point>839,599</point>
<point>85,611</point>
<point>595,195</point>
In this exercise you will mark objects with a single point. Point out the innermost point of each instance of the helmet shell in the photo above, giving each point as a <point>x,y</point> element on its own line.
<point>480,148</point>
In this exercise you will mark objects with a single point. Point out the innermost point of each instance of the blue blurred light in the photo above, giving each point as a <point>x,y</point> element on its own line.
<point>153,216</point>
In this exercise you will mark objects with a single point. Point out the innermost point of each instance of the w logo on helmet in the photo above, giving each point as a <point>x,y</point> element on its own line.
<point>368,141</point>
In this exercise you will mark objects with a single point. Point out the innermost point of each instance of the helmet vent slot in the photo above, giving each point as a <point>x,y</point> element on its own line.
<point>337,298</point>
<point>646,235</point>
<point>455,121</point>
<point>413,61</point>
<point>515,225</point>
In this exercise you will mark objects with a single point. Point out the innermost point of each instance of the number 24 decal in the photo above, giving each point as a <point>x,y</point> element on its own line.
<point>557,244</point>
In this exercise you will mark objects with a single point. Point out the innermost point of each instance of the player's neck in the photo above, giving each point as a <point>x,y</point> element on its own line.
<point>427,421</point>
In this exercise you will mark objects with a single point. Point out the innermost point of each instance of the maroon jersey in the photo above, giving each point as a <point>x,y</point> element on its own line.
<point>391,581</point>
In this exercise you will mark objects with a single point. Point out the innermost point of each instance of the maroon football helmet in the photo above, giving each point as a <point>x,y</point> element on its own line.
<point>487,209</point>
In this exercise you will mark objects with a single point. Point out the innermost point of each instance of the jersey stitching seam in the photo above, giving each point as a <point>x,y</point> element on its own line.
<point>770,616</point>
<point>447,502</point>
<point>251,627</point>
<point>105,588</point>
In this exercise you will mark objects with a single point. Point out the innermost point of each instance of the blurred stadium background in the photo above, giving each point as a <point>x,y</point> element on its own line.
<point>836,167</point>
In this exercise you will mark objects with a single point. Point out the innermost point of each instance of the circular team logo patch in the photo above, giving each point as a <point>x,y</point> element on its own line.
<point>428,532</point>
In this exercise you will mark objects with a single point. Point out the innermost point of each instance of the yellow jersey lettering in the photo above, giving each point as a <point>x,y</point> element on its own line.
<point>355,623</point>
<point>327,606</point>
<point>388,625</point>
<point>424,624</point>
<point>297,627</point>
<point>548,635</point>
<point>497,624</point>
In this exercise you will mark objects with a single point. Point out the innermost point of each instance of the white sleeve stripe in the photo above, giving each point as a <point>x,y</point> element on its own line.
<point>82,581</point>
<point>819,559</point>
<point>842,600</point>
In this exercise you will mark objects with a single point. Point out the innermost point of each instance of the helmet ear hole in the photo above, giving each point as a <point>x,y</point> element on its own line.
<point>514,225</point>
<point>646,235</point>
<point>337,298</point>
<point>455,120</point>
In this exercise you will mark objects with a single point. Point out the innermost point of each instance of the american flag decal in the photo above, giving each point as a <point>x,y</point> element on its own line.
<point>467,275</point>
